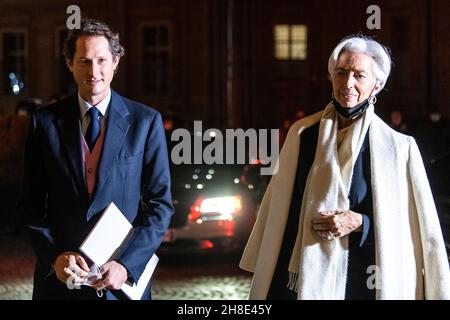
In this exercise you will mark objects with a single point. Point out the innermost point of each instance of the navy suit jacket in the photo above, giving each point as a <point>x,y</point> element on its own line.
<point>133,173</point>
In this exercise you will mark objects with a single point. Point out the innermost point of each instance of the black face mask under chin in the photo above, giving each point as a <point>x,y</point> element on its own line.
<point>351,113</point>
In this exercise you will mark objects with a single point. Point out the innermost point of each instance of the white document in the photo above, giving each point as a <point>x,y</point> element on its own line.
<point>136,290</point>
<point>108,235</point>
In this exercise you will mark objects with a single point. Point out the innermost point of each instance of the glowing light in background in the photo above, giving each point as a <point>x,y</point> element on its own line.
<point>16,89</point>
<point>15,84</point>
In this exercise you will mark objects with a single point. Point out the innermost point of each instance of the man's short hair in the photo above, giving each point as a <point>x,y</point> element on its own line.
<point>95,28</point>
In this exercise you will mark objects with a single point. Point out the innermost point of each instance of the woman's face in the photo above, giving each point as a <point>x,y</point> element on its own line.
<point>353,79</point>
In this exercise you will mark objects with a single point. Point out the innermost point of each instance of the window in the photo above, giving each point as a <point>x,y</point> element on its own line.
<point>14,54</point>
<point>156,55</point>
<point>290,41</point>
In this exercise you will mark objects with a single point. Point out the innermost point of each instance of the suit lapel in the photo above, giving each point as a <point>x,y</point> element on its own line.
<point>116,130</point>
<point>68,125</point>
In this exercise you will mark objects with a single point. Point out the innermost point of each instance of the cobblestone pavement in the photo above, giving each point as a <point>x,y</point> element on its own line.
<point>185,277</point>
<point>199,278</point>
<point>16,268</point>
<point>202,288</point>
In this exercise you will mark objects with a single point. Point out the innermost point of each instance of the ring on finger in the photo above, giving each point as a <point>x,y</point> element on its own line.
<point>330,236</point>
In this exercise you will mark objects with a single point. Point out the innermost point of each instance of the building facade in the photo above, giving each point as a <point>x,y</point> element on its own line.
<point>231,63</point>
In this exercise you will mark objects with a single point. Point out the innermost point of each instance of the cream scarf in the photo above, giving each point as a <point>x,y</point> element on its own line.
<point>318,268</point>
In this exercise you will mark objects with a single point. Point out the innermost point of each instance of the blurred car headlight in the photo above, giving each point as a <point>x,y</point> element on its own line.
<point>218,208</point>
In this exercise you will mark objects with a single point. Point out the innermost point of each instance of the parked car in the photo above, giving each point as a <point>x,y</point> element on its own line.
<point>215,207</point>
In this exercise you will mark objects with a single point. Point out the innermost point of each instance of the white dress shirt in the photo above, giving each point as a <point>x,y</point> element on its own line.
<point>102,106</point>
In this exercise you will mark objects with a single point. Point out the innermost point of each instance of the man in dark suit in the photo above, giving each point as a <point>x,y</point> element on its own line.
<point>83,153</point>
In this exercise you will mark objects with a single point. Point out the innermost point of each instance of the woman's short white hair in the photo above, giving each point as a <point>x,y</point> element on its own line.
<point>362,44</point>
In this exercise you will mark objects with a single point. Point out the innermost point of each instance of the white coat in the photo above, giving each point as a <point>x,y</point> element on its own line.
<point>410,251</point>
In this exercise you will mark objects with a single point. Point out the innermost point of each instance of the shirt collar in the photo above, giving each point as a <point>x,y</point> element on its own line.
<point>102,106</point>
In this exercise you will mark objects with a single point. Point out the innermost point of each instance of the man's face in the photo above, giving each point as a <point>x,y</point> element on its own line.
<point>353,79</point>
<point>93,67</point>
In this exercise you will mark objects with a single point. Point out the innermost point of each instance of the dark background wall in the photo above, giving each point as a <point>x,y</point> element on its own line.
<point>221,67</point>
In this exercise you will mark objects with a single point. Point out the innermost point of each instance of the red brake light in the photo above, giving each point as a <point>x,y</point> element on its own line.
<point>195,214</point>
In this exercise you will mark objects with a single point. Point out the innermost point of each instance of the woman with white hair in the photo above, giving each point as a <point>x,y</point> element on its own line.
<point>349,214</point>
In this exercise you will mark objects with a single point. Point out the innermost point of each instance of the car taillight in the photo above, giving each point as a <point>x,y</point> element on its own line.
<point>195,214</point>
<point>218,208</point>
